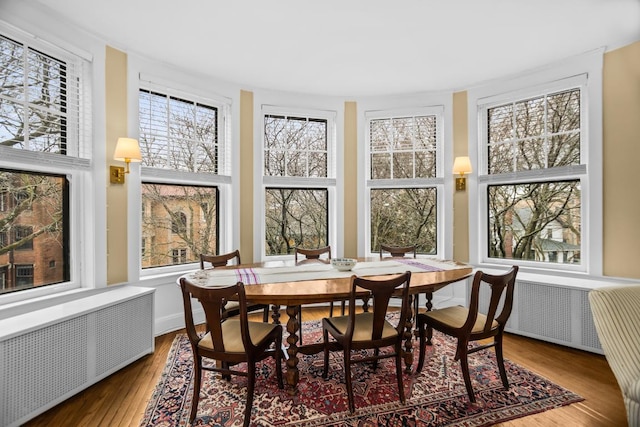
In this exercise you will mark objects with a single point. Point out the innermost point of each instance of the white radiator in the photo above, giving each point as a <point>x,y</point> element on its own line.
<point>51,353</point>
<point>554,312</point>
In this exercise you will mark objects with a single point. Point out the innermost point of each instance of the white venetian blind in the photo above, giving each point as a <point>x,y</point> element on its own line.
<point>42,100</point>
<point>181,133</point>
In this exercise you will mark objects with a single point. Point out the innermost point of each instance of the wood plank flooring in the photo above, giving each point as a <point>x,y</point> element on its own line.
<point>120,399</point>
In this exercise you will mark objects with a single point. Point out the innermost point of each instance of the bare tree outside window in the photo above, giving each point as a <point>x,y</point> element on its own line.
<point>404,216</point>
<point>295,217</point>
<point>403,148</point>
<point>33,110</point>
<point>295,147</point>
<point>540,220</point>
<point>34,228</point>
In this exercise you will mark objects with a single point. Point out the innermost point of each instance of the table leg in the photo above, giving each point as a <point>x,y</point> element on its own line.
<point>408,337</point>
<point>292,362</point>
<point>429,296</point>
<point>275,314</point>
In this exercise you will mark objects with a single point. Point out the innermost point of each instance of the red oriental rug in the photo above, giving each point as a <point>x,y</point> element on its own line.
<point>435,397</point>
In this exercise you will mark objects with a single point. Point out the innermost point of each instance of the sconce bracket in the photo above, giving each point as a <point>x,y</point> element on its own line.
<point>116,174</point>
<point>461,184</point>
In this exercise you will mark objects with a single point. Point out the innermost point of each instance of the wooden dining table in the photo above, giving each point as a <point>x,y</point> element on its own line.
<point>290,285</point>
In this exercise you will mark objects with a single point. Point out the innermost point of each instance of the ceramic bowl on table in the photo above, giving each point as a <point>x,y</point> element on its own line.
<point>343,264</point>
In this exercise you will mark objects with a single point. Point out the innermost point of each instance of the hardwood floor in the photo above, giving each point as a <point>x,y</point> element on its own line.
<point>120,399</point>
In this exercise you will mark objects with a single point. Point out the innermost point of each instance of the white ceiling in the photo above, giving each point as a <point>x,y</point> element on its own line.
<point>355,48</point>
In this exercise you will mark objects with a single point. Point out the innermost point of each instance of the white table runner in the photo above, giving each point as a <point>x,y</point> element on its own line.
<point>225,277</point>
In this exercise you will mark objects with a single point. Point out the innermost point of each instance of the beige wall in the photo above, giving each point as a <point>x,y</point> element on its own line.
<point>621,156</point>
<point>350,235</point>
<point>460,198</point>
<point>246,176</point>
<point>116,123</point>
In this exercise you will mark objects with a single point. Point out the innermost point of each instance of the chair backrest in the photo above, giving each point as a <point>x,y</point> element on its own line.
<point>381,292</point>
<point>499,285</point>
<point>220,260</point>
<point>397,251</point>
<point>312,253</point>
<point>212,300</point>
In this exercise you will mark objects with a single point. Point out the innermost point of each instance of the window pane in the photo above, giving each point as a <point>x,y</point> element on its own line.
<point>179,223</point>
<point>403,147</point>
<point>404,216</point>
<point>34,230</point>
<point>547,133</point>
<point>33,110</point>
<point>295,146</point>
<point>530,117</point>
<point>380,166</point>
<point>425,164</point>
<point>536,221</point>
<point>403,135</point>
<point>403,165</point>
<point>178,134</point>
<point>295,217</point>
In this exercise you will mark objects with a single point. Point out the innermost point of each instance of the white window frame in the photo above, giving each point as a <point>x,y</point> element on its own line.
<point>224,180</point>
<point>330,182</point>
<point>585,72</point>
<point>439,105</point>
<point>78,166</point>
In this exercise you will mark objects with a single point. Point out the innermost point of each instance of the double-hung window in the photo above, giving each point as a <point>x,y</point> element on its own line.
<point>538,174</point>
<point>298,179</point>
<point>404,179</point>
<point>185,168</point>
<point>44,162</point>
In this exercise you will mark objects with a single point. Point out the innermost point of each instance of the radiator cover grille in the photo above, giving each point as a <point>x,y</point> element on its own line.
<point>557,314</point>
<point>44,366</point>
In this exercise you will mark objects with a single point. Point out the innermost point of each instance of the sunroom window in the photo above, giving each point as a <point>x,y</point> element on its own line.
<point>298,181</point>
<point>403,183</point>
<point>180,141</point>
<point>534,176</point>
<point>44,149</point>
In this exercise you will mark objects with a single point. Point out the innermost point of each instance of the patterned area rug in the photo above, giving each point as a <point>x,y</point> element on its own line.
<point>435,397</point>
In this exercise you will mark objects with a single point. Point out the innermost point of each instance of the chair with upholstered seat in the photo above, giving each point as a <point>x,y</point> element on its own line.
<point>228,340</point>
<point>231,308</point>
<point>468,324</point>
<point>369,330</point>
<point>401,252</point>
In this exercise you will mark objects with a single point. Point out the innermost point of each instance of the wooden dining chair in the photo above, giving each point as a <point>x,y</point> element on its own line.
<point>228,340</point>
<point>401,252</point>
<point>220,260</point>
<point>231,308</point>
<point>369,330</point>
<point>316,254</point>
<point>397,251</point>
<point>467,324</point>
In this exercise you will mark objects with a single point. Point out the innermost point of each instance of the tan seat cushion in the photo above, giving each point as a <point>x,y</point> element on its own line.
<point>456,316</point>
<point>363,326</point>
<point>233,338</point>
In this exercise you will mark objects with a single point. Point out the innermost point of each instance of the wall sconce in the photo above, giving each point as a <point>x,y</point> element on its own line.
<point>127,150</point>
<point>461,166</point>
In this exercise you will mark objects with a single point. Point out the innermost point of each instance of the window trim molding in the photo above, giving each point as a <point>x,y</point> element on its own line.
<point>148,74</point>
<point>332,110</point>
<point>590,65</point>
<point>87,188</point>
